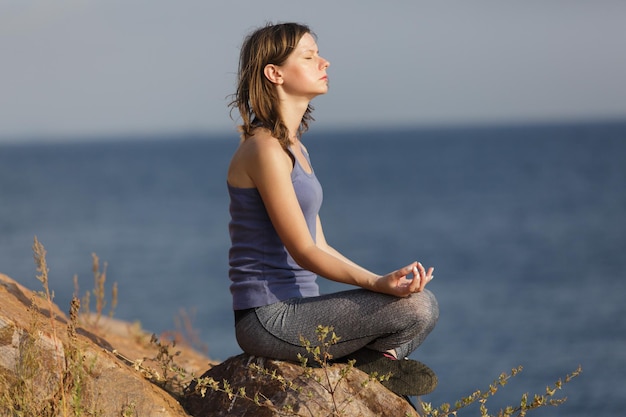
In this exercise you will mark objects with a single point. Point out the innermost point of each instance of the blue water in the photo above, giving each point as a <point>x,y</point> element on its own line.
<point>525,225</point>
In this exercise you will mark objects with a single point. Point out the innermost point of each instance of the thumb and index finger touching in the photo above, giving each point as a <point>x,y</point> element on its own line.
<point>420,276</point>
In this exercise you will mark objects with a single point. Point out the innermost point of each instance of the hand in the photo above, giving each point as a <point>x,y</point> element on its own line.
<point>405,281</point>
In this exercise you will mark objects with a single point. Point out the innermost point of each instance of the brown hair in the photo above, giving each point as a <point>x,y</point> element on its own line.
<point>256,97</point>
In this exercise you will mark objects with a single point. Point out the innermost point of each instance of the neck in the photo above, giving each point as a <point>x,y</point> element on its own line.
<point>292,112</point>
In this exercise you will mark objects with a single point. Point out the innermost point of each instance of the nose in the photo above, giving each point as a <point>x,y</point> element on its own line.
<point>324,63</point>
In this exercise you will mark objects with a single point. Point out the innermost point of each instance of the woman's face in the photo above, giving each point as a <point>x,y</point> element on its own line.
<point>304,72</point>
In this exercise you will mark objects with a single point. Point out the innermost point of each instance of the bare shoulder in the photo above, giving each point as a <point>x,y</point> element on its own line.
<point>261,148</point>
<point>256,153</point>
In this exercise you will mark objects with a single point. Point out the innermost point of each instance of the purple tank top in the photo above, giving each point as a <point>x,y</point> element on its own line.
<point>261,270</point>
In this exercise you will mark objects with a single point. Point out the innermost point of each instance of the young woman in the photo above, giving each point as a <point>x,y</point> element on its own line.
<point>278,245</point>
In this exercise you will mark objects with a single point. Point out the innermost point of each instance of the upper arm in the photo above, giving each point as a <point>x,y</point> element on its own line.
<point>261,162</point>
<point>320,238</point>
<point>270,167</point>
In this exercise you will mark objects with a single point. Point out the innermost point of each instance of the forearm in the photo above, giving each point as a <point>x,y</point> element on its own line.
<point>330,264</point>
<point>332,251</point>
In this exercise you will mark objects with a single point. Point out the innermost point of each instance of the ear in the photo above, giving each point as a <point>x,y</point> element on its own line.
<point>273,73</point>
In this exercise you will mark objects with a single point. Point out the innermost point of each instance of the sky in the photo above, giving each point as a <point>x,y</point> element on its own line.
<point>78,69</point>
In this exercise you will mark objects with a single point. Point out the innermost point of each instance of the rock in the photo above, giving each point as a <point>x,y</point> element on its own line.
<point>355,393</point>
<point>52,365</point>
<point>47,371</point>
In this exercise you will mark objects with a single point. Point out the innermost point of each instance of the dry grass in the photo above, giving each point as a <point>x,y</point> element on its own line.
<point>48,379</point>
<point>53,374</point>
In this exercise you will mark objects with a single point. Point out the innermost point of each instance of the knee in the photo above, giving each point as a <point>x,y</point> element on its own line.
<point>434,305</point>
<point>424,307</point>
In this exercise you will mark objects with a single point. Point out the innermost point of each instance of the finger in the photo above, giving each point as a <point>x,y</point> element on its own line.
<point>400,276</point>
<point>421,270</point>
<point>416,281</point>
<point>419,278</point>
<point>402,272</point>
<point>423,283</point>
<point>429,276</point>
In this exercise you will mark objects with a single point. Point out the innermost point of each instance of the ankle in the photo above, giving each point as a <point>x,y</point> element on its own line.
<point>391,354</point>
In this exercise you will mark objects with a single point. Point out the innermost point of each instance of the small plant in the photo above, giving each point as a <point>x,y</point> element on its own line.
<point>320,353</point>
<point>322,360</point>
<point>185,333</point>
<point>21,390</point>
<point>50,376</point>
<point>99,277</point>
<point>167,374</point>
<point>525,405</point>
<point>39,382</point>
<point>170,375</point>
<point>129,410</point>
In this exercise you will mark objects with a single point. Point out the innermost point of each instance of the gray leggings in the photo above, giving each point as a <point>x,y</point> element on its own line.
<point>361,318</point>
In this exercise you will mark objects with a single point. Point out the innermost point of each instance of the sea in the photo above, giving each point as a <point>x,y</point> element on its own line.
<point>524,224</point>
